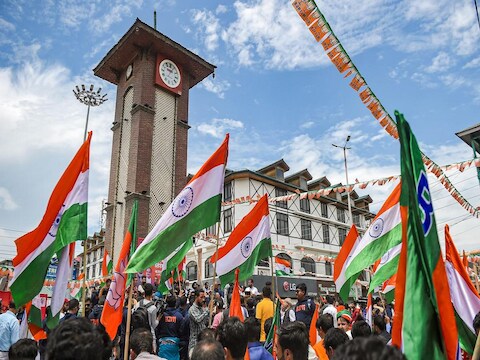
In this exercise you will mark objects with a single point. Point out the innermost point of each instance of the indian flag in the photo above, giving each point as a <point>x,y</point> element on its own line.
<point>107,264</point>
<point>388,288</point>
<point>195,208</point>
<point>386,267</point>
<point>424,326</point>
<point>465,299</point>
<point>64,222</point>
<point>383,234</point>
<point>282,267</point>
<point>342,283</point>
<point>248,243</point>
<point>172,264</point>
<point>63,276</point>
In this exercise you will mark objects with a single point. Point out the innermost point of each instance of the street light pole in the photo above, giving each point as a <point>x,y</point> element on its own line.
<point>88,97</point>
<point>345,148</point>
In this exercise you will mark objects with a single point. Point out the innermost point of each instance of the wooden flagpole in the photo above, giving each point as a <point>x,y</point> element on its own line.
<point>126,354</point>
<point>477,285</point>
<point>273,283</point>
<point>476,351</point>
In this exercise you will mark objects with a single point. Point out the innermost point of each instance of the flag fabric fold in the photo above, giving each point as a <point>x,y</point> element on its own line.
<point>113,309</point>
<point>64,221</point>
<point>248,243</point>
<point>195,208</point>
<point>424,326</point>
<point>171,269</point>
<point>312,332</point>
<point>343,284</point>
<point>270,339</point>
<point>465,299</point>
<point>386,267</point>
<point>64,275</point>
<point>107,264</point>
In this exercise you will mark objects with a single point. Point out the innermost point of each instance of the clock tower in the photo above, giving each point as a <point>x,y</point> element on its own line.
<point>153,75</point>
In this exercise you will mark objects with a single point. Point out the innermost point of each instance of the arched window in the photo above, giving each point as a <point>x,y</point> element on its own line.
<point>192,271</point>
<point>208,268</point>
<point>283,264</point>
<point>328,268</point>
<point>309,265</point>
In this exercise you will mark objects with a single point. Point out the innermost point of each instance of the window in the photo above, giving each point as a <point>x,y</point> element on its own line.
<point>211,230</point>
<point>264,262</point>
<point>208,268</point>
<point>227,220</point>
<point>192,271</point>
<point>282,224</point>
<point>328,268</point>
<point>94,270</point>
<point>227,192</point>
<point>341,215</point>
<point>303,183</point>
<point>342,234</point>
<point>356,220</point>
<point>305,205</point>
<point>306,229</point>
<point>279,174</point>
<point>324,210</point>
<point>281,192</point>
<point>326,234</point>
<point>309,265</point>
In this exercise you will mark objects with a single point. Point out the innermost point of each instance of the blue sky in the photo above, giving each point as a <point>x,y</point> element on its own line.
<point>275,91</point>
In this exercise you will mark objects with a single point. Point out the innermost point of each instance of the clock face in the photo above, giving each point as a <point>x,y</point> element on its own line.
<point>169,73</point>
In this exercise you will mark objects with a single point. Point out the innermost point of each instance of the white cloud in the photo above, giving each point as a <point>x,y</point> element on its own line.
<point>442,62</point>
<point>6,200</point>
<point>4,24</point>
<point>210,26</point>
<point>218,87</point>
<point>221,9</point>
<point>219,127</point>
<point>307,125</point>
<point>472,64</point>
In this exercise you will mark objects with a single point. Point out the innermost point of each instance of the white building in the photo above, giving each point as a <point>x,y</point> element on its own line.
<point>306,232</point>
<point>95,248</point>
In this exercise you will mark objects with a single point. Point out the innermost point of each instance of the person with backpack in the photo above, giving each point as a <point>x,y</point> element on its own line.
<point>145,313</point>
<point>169,331</point>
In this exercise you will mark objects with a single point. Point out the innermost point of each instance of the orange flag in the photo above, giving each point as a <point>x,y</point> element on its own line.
<point>236,306</point>
<point>313,327</point>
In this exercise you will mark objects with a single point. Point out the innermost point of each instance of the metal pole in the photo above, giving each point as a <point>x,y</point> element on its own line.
<point>348,190</point>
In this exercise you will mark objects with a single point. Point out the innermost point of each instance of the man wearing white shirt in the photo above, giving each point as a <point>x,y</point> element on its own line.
<point>330,309</point>
<point>9,330</point>
<point>250,287</point>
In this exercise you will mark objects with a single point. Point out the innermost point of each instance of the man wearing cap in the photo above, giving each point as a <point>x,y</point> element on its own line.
<point>9,330</point>
<point>344,322</point>
<point>305,307</point>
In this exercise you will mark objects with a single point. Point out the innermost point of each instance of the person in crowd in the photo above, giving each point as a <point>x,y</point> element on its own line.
<point>23,349</point>
<point>355,311</point>
<point>141,345</point>
<point>78,339</point>
<point>256,350</point>
<point>217,319</point>
<point>292,342</point>
<point>329,308</point>
<point>265,309</point>
<point>367,348</point>
<point>96,312</point>
<point>93,296</point>
<point>305,307</point>
<point>233,336</point>
<point>268,325</point>
<point>9,330</point>
<point>198,317</point>
<point>73,307</point>
<point>476,323</point>
<point>287,314</point>
<point>251,288</point>
<point>339,305</point>
<point>378,307</point>
<point>104,289</point>
<point>344,322</point>
<point>323,324</point>
<point>149,304</point>
<point>185,331</point>
<point>168,331</point>
<point>251,307</point>
<point>207,333</point>
<point>209,349</point>
<point>379,328</point>
<point>360,328</point>
<point>334,338</point>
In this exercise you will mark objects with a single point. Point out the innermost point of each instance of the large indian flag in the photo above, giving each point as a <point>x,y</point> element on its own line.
<point>195,208</point>
<point>248,243</point>
<point>64,222</point>
<point>342,283</point>
<point>383,234</point>
<point>465,299</point>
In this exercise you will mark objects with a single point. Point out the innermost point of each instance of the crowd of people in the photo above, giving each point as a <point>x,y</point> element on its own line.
<point>195,324</point>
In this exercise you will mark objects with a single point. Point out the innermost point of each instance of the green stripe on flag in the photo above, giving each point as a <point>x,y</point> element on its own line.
<point>175,260</point>
<point>268,345</point>
<point>30,282</point>
<point>167,241</point>
<point>73,226</point>
<point>344,292</point>
<point>465,336</point>
<point>384,273</point>
<point>282,273</point>
<point>262,250</point>
<point>132,229</point>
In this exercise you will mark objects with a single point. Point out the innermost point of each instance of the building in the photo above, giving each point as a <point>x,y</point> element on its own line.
<point>308,232</point>
<point>95,248</point>
<point>153,75</point>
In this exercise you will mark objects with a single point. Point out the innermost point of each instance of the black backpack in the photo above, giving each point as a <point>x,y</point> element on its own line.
<point>140,317</point>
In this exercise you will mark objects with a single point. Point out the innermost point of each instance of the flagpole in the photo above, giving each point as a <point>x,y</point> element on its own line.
<point>476,350</point>
<point>214,276</point>
<point>477,285</point>
<point>273,283</point>
<point>129,319</point>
